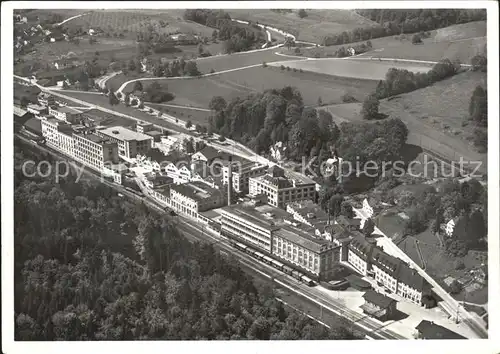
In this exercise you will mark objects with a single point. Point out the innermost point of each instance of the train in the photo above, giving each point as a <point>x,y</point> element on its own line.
<point>274,263</point>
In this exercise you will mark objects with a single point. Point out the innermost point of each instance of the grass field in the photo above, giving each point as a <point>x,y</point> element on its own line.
<point>312,28</point>
<point>131,22</point>
<point>433,115</point>
<point>199,92</point>
<point>217,63</point>
<point>358,69</point>
<point>460,42</point>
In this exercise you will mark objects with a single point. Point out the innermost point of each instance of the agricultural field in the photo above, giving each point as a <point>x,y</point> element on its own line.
<point>216,63</point>
<point>253,80</point>
<point>434,115</point>
<point>131,22</point>
<point>458,42</point>
<point>358,69</point>
<point>317,24</point>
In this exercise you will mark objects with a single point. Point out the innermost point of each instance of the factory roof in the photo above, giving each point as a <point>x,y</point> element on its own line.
<point>124,134</point>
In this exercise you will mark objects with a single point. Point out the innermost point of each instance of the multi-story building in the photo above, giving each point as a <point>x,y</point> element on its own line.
<point>130,143</point>
<point>51,131</point>
<point>385,269</point>
<point>309,213</point>
<point>46,99</point>
<point>191,198</point>
<point>65,114</point>
<point>248,225</point>
<point>269,229</point>
<point>281,188</point>
<point>94,151</point>
<point>359,254</point>
<point>392,273</point>
<point>242,170</point>
<point>37,109</point>
<point>411,285</point>
<point>300,248</point>
<point>144,127</point>
<point>179,169</point>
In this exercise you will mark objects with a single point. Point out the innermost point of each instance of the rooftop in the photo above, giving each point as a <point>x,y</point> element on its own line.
<point>310,211</point>
<point>92,137</point>
<point>430,330</point>
<point>302,238</point>
<point>34,124</point>
<point>154,133</point>
<point>18,111</point>
<point>210,153</point>
<point>36,106</point>
<point>125,134</point>
<point>195,190</point>
<point>378,299</point>
<point>411,277</point>
<point>252,215</point>
<point>65,109</point>
<point>361,247</point>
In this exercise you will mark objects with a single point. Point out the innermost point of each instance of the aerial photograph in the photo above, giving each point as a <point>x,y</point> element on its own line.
<point>250,174</point>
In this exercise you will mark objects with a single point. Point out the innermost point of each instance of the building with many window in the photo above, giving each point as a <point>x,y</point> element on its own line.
<point>191,198</point>
<point>94,151</point>
<point>52,129</point>
<point>392,273</point>
<point>282,188</point>
<point>359,254</point>
<point>46,99</point>
<point>65,114</point>
<point>130,143</point>
<point>271,229</point>
<point>242,170</point>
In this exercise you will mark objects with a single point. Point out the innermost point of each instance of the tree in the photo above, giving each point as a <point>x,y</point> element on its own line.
<point>480,139</point>
<point>478,106</point>
<point>217,104</point>
<point>479,63</point>
<point>416,39</point>
<point>320,102</point>
<point>302,13</point>
<point>455,287</point>
<point>370,107</point>
<point>368,227</point>
<point>438,221</point>
<point>222,138</point>
<point>138,86</point>
<point>24,101</point>
<point>192,68</point>
<point>200,49</point>
<point>126,99</point>
<point>141,105</point>
<point>189,124</point>
<point>346,210</point>
<point>113,100</point>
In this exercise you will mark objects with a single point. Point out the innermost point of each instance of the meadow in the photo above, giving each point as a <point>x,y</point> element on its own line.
<point>199,92</point>
<point>352,68</point>
<point>457,42</point>
<point>312,28</point>
<point>131,22</point>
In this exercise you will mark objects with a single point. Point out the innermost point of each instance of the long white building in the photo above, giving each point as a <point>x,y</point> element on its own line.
<point>130,143</point>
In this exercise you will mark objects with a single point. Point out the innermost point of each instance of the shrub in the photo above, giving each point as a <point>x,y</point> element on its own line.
<point>297,50</point>
<point>264,64</point>
<point>302,13</point>
<point>189,124</point>
<point>370,107</point>
<point>416,39</point>
<point>348,98</point>
<point>282,67</point>
<point>455,287</point>
<point>212,71</point>
<point>287,68</point>
<point>459,264</point>
<point>222,138</point>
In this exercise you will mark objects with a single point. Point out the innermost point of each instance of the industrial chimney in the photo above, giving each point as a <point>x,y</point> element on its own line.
<point>229,180</point>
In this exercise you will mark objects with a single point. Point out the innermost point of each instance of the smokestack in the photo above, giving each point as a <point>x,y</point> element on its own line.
<point>230,180</point>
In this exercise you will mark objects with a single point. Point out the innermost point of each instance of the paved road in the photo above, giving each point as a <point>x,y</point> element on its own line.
<point>449,303</point>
